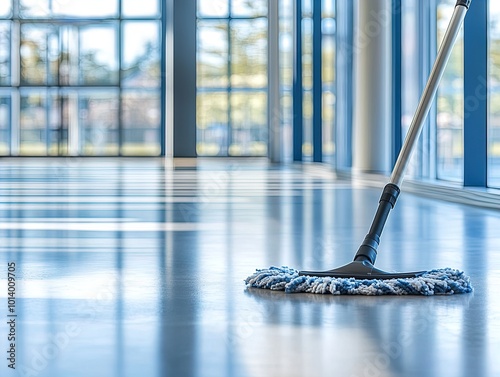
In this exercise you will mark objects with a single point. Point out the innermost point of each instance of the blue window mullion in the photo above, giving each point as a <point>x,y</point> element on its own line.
<point>317,84</point>
<point>396,78</point>
<point>475,94</point>
<point>163,84</point>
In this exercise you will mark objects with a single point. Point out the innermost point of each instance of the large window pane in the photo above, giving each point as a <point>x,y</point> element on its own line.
<point>249,53</point>
<point>212,124</point>
<point>494,96</point>
<point>141,54</point>
<point>57,8</point>
<point>212,62</point>
<point>410,76</point>
<point>87,8</point>
<point>248,8</point>
<point>328,79</point>
<point>98,55</point>
<point>213,8</point>
<point>42,61</point>
<point>4,124</point>
<point>249,124</point>
<point>5,8</point>
<point>141,123</point>
<point>98,119</point>
<point>142,8</point>
<point>307,8</point>
<point>232,78</point>
<point>34,8</point>
<point>286,75</point>
<point>307,79</point>
<point>328,114</point>
<point>307,53</point>
<point>34,54</point>
<point>4,53</point>
<point>307,124</point>
<point>328,9</point>
<point>449,122</point>
<point>34,119</point>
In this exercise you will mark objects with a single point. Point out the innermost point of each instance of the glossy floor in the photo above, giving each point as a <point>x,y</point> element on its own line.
<point>125,268</point>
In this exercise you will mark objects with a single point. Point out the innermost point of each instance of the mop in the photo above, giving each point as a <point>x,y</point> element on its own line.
<point>360,277</point>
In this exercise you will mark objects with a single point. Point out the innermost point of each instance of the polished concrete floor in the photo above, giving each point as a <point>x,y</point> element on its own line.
<point>125,268</point>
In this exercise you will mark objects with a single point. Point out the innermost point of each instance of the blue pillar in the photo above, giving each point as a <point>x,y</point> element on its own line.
<point>181,76</point>
<point>476,94</point>
<point>317,84</point>
<point>297,83</point>
<point>396,79</point>
<point>163,80</point>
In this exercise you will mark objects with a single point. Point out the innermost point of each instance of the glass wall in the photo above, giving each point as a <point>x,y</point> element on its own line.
<point>83,78</point>
<point>313,24</point>
<point>307,79</point>
<point>440,151</point>
<point>494,96</point>
<point>450,104</point>
<point>328,51</point>
<point>328,27</point>
<point>286,75</point>
<point>411,68</point>
<point>232,78</point>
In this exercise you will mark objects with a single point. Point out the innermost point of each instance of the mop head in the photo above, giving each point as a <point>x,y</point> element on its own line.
<point>445,281</point>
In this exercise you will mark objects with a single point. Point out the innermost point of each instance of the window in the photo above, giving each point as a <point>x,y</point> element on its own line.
<point>312,27</point>
<point>327,56</point>
<point>450,106</point>
<point>494,96</point>
<point>328,50</point>
<point>439,153</point>
<point>232,78</point>
<point>307,79</point>
<point>411,73</point>
<point>84,78</point>
<point>286,75</point>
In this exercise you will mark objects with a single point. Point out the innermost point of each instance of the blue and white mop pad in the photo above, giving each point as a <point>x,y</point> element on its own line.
<point>445,281</point>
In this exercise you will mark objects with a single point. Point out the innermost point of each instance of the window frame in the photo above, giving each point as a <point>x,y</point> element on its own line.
<point>117,21</point>
<point>229,89</point>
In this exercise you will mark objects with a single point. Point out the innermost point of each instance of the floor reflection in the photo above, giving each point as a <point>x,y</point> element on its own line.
<point>146,266</point>
<point>354,335</point>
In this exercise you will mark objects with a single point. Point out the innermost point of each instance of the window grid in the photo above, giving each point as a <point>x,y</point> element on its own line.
<point>224,135</point>
<point>72,103</point>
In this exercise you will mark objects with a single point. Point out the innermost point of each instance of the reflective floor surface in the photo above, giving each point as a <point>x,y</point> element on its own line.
<point>124,268</point>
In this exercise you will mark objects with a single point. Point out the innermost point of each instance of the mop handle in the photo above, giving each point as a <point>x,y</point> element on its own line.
<point>430,91</point>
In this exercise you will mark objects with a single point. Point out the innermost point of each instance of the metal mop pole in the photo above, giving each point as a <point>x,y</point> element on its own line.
<point>362,266</point>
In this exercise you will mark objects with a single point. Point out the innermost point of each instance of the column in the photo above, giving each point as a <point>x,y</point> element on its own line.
<point>372,76</point>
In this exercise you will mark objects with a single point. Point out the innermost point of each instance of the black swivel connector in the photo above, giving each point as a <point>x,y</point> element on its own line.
<point>465,3</point>
<point>368,249</point>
